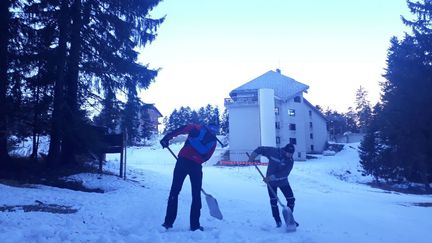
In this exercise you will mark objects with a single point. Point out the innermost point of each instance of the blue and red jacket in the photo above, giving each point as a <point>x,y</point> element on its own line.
<point>199,145</point>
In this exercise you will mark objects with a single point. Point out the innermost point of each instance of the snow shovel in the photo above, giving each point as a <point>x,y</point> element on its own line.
<point>213,205</point>
<point>286,211</point>
<point>211,201</point>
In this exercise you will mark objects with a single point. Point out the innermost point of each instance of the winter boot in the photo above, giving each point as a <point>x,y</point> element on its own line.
<point>197,228</point>
<point>167,226</point>
<point>278,224</point>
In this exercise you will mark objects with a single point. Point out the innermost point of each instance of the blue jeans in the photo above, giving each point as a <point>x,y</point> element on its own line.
<point>183,168</point>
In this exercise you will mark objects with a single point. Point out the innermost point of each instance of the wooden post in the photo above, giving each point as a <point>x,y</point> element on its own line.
<point>125,153</point>
<point>121,156</point>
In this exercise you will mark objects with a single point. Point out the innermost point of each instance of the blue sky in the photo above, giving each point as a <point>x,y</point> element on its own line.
<point>206,48</point>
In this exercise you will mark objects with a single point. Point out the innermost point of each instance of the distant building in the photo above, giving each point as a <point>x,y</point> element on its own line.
<point>149,119</point>
<point>271,111</point>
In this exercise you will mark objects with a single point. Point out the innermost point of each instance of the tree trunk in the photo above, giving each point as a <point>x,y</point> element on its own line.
<point>71,114</point>
<point>4,40</point>
<point>57,116</point>
<point>424,173</point>
<point>36,94</point>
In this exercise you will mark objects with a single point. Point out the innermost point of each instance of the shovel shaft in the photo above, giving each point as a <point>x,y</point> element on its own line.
<point>223,145</point>
<point>173,154</point>
<point>268,185</point>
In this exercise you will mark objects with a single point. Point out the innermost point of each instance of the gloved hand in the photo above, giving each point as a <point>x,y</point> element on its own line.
<point>251,157</point>
<point>164,142</point>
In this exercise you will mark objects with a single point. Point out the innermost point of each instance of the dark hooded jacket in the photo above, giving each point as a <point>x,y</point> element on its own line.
<point>279,166</point>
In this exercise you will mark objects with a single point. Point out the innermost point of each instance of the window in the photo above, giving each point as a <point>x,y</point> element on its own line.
<point>276,110</point>
<point>311,136</point>
<point>277,140</point>
<point>312,148</point>
<point>291,112</point>
<point>297,99</point>
<point>310,125</point>
<point>277,125</point>
<point>292,126</point>
<point>299,154</point>
<point>310,113</point>
<point>293,141</point>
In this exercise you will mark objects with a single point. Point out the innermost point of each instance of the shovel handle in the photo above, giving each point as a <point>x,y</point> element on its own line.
<point>268,185</point>
<point>173,154</point>
<point>262,175</point>
<point>223,145</point>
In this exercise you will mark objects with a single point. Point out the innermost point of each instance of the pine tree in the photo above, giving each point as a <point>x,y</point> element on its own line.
<point>5,17</point>
<point>58,121</point>
<point>146,126</point>
<point>130,123</point>
<point>369,153</point>
<point>68,50</point>
<point>15,67</point>
<point>371,148</point>
<point>72,113</point>
<point>110,116</point>
<point>350,120</point>
<point>404,120</point>
<point>185,115</point>
<point>213,115</point>
<point>202,115</point>
<point>337,123</point>
<point>363,110</point>
<point>172,121</point>
<point>101,44</point>
<point>30,62</point>
<point>224,125</point>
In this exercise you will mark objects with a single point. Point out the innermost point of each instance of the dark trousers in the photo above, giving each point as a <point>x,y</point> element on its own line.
<point>289,196</point>
<point>183,168</point>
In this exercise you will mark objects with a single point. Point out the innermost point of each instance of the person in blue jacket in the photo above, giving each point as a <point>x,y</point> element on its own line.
<point>197,149</point>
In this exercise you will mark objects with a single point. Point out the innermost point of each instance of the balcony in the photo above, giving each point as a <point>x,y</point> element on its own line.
<point>245,97</point>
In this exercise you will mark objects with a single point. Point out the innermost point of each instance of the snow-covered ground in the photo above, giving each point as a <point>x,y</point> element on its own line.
<point>332,205</point>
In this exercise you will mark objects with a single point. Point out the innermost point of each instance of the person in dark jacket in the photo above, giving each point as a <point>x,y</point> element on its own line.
<point>197,149</point>
<point>279,167</point>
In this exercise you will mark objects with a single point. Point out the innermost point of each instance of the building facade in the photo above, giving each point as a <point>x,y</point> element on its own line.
<point>271,111</point>
<point>149,119</point>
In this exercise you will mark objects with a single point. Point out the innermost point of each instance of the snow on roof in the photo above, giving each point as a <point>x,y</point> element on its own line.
<point>284,87</point>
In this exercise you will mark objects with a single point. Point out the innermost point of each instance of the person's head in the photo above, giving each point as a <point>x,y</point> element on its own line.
<point>289,149</point>
<point>214,128</point>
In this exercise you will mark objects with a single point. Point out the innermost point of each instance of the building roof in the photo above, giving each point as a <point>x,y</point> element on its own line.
<point>283,86</point>
<point>314,108</point>
<point>153,107</point>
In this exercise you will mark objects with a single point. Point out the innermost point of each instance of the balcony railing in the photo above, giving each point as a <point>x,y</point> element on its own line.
<point>253,100</point>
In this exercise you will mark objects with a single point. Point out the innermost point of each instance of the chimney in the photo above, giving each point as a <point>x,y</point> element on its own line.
<point>278,70</point>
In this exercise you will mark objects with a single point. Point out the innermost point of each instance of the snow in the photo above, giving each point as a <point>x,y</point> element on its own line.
<point>332,205</point>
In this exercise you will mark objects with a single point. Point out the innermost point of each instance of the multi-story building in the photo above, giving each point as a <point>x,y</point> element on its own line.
<point>271,111</point>
<point>149,118</point>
